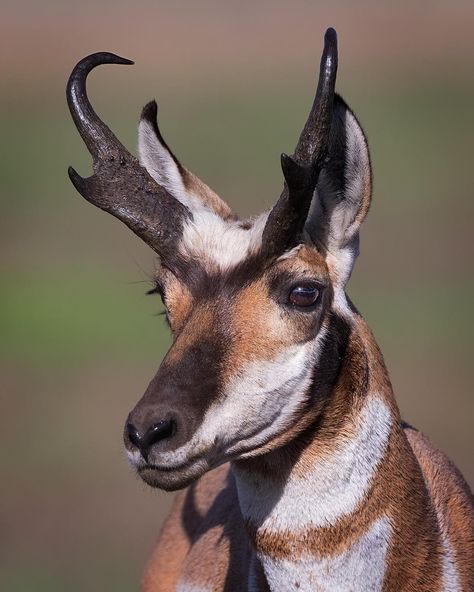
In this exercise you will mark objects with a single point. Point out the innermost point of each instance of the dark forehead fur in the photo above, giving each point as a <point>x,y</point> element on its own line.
<point>204,282</point>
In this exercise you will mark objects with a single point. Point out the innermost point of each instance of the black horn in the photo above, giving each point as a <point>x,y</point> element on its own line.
<point>286,221</point>
<point>97,136</point>
<point>119,184</point>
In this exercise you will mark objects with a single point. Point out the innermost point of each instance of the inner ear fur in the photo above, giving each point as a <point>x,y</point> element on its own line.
<point>344,188</point>
<point>165,168</point>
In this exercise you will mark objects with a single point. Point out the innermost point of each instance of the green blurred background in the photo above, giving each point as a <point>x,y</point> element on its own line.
<point>234,81</point>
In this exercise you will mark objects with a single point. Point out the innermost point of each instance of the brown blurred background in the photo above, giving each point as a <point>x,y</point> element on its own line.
<point>234,81</point>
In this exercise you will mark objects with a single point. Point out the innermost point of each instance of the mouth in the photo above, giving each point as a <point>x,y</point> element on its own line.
<point>172,478</point>
<point>171,474</point>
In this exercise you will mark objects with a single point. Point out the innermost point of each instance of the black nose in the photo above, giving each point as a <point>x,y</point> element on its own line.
<point>155,433</point>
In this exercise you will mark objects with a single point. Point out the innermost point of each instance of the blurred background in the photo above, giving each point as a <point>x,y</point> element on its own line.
<point>234,82</point>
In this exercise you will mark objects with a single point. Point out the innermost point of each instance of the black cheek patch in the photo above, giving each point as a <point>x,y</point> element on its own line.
<point>328,367</point>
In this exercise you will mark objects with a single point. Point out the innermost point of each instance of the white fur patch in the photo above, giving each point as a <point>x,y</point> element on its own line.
<point>134,457</point>
<point>360,568</point>
<point>338,217</point>
<point>206,236</point>
<point>265,396</point>
<point>332,489</point>
<point>356,173</point>
<point>160,164</point>
<point>451,581</point>
<point>221,243</point>
<point>340,267</point>
<point>188,587</point>
<point>343,223</point>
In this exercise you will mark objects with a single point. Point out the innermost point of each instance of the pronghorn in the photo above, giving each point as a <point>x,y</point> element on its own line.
<point>273,405</point>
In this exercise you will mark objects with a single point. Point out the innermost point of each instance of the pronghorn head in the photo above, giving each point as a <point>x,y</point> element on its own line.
<point>252,304</point>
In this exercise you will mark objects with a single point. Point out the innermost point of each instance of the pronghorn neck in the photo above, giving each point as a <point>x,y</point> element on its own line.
<point>321,512</point>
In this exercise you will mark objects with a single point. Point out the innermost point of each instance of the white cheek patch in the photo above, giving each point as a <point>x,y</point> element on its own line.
<point>334,487</point>
<point>260,403</point>
<point>219,243</point>
<point>264,398</point>
<point>360,568</point>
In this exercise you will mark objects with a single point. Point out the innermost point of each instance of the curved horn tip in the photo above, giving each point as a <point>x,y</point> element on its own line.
<point>105,57</point>
<point>119,60</point>
<point>84,66</point>
<point>113,58</point>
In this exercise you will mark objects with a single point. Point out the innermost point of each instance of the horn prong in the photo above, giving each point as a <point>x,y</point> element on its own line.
<point>295,174</point>
<point>80,183</point>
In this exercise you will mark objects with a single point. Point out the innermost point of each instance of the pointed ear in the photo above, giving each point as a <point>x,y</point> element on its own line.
<point>165,168</point>
<point>343,193</point>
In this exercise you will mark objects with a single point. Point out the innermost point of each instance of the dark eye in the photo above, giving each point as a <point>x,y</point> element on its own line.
<point>303,296</point>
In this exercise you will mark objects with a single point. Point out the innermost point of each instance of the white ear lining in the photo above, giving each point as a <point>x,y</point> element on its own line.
<point>357,177</point>
<point>334,218</point>
<point>159,163</point>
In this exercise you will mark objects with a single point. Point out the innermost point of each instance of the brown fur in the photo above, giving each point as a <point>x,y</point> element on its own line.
<point>197,327</point>
<point>229,308</point>
<point>398,490</point>
<point>178,299</point>
<point>206,194</point>
<point>204,538</point>
<point>452,500</point>
<point>256,326</point>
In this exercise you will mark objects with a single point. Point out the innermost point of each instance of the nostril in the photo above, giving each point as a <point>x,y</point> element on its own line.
<point>157,432</point>
<point>133,435</point>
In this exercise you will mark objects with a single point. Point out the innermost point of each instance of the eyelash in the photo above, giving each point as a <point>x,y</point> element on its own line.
<point>164,313</point>
<point>157,289</point>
